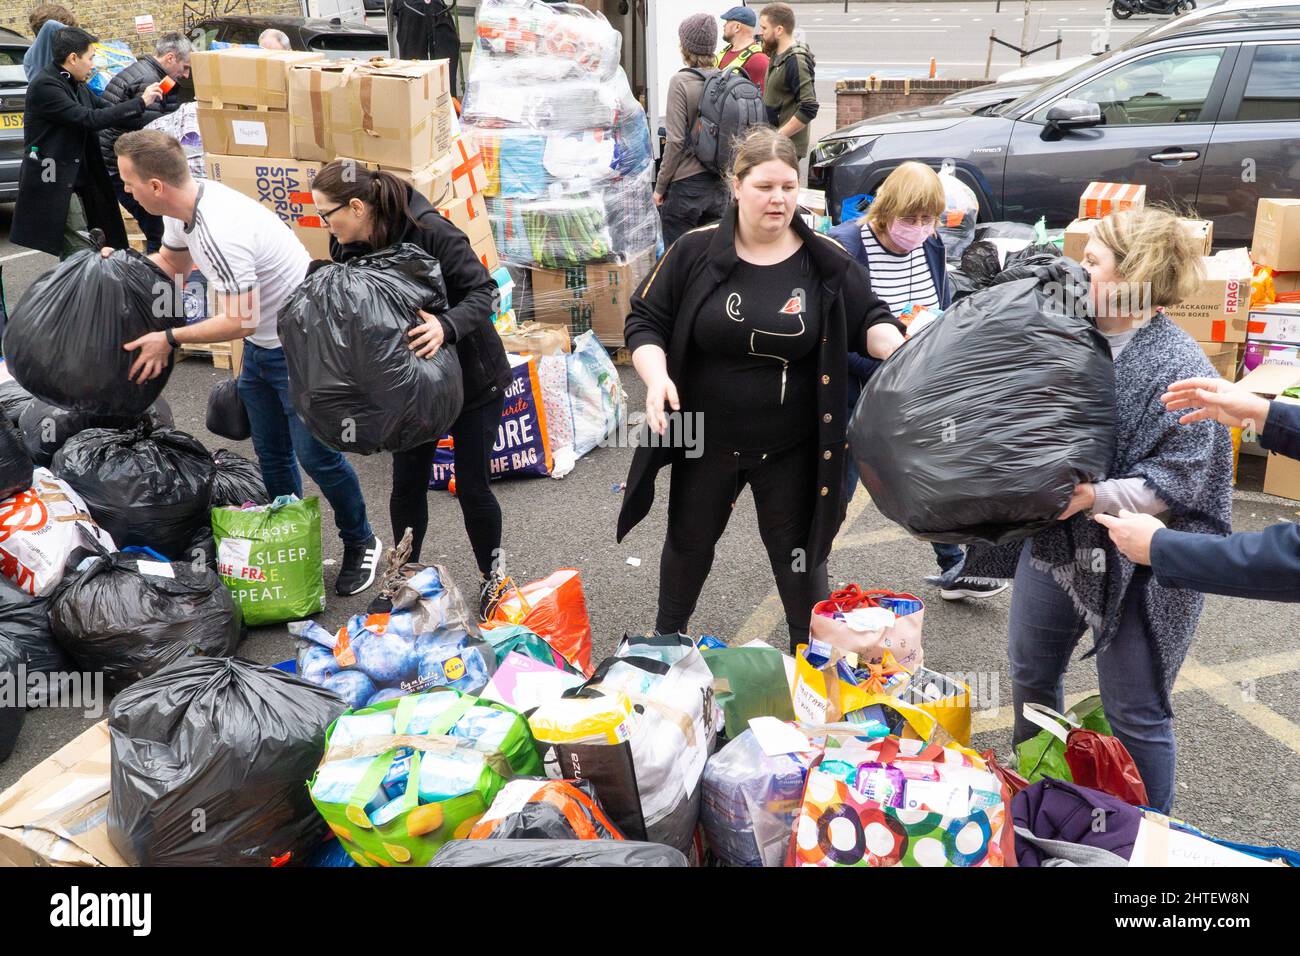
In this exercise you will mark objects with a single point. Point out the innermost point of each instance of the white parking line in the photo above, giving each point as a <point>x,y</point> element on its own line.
<point>19,255</point>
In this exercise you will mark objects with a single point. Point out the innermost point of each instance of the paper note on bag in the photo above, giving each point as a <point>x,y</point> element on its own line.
<point>249,132</point>
<point>776,737</point>
<point>1158,845</point>
<point>234,550</point>
<point>159,569</point>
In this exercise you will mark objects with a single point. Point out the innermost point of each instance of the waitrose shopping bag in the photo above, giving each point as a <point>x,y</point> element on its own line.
<point>270,558</point>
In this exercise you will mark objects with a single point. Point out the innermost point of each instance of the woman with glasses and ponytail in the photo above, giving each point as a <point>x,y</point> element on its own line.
<point>366,211</point>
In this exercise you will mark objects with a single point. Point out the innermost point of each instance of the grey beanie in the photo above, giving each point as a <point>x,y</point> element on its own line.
<point>698,33</point>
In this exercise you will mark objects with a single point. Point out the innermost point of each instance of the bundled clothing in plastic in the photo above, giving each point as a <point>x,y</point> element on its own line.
<point>63,342</point>
<point>224,741</point>
<point>421,637</point>
<point>354,381</point>
<point>147,488</point>
<point>131,614</point>
<point>401,778</point>
<point>546,810</point>
<point>978,429</point>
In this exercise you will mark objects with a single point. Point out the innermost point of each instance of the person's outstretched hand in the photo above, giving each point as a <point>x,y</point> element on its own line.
<point>1216,399</point>
<point>657,394</point>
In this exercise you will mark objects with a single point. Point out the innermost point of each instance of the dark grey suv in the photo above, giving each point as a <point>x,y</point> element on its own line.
<point>13,95</point>
<point>1204,109</point>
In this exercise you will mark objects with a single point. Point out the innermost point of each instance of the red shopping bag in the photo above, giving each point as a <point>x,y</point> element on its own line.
<point>902,639</point>
<point>1104,763</point>
<point>555,609</point>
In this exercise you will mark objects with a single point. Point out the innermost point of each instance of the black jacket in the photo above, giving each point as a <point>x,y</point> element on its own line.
<point>663,313</point>
<point>471,290</point>
<point>128,84</point>
<point>1252,564</point>
<point>59,125</point>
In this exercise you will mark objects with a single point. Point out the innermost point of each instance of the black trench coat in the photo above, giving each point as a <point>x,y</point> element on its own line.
<point>62,122</point>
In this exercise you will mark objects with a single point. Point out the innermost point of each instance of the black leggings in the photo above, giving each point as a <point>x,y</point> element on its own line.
<point>474,433</point>
<point>701,495</point>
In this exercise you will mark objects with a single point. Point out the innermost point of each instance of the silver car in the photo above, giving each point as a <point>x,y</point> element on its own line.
<point>13,95</point>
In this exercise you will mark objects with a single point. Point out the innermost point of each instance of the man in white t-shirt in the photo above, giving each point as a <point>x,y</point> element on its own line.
<point>253,262</point>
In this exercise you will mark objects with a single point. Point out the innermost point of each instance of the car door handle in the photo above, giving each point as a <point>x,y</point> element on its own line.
<point>1174,156</point>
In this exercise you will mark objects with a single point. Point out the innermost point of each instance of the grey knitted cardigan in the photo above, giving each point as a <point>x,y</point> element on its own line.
<point>1189,466</point>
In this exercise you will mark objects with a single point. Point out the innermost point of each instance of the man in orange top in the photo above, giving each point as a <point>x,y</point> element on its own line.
<point>743,51</point>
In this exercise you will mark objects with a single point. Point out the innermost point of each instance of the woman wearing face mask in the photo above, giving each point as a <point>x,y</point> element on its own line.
<point>897,242</point>
<point>367,211</point>
<point>747,323</point>
<point>1071,578</point>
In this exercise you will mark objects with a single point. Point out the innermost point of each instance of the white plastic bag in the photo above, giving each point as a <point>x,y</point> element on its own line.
<point>595,393</point>
<point>43,531</point>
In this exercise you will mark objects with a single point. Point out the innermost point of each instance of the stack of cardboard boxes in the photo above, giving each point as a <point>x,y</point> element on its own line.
<point>270,120</point>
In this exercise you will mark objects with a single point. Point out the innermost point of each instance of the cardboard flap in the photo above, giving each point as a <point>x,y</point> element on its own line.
<point>1271,379</point>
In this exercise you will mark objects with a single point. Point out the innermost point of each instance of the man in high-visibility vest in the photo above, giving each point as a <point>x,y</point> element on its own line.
<point>743,51</point>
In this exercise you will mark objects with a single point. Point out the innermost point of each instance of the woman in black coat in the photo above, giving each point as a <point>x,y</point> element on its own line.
<point>62,184</point>
<point>746,325</point>
<point>366,211</point>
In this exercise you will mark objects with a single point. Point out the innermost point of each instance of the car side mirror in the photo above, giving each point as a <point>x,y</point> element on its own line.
<point>1073,114</point>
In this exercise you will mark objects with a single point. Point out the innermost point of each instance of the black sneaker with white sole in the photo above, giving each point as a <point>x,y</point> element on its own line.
<point>360,566</point>
<point>969,587</point>
<point>493,588</point>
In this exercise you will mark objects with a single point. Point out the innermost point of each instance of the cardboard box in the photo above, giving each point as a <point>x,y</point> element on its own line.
<point>1276,243</point>
<point>1079,232</point>
<point>57,812</point>
<point>1286,282</point>
<point>594,296</point>
<point>1102,199</point>
<point>1278,323</point>
<point>244,131</point>
<point>396,113</point>
<point>1225,357</point>
<point>537,338</point>
<point>814,200</point>
<point>284,187</point>
<point>486,250</point>
<point>468,175</point>
<point>1220,309</point>
<point>1281,474</point>
<point>1259,353</point>
<point>470,216</point>
<point>241,76</point>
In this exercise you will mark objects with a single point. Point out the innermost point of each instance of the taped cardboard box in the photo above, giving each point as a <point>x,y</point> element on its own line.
<point>1276,242</point>
<point>1225,357</point>
<point>284,186</point>
<point>396,113</point>
<point>1101,199</point>
<point>245,77</point>
<point>57,812</point>
<point>244,131</point>
<point>1079,232</point>
<point>470,217</point>
<point>1278,323</point>
<point>1281,474</point>
<point>1219,311</point>
<point>595,296</point>
<point>468,175</point>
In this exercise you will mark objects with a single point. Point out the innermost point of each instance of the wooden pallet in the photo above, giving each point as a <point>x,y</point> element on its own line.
<point>219,354</point>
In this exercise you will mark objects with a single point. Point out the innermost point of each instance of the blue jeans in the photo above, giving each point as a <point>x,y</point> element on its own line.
<point>1044,629</point>
<point>950,557</point>
<point>281,441</point>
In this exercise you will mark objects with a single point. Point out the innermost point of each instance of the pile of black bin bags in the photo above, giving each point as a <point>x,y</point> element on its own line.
<point>155,599</point>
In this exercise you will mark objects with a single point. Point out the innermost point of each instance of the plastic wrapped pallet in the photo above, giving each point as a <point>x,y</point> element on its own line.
<point>565,144</point>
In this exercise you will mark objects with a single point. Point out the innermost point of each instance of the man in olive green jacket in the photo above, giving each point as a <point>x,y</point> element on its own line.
<point>789,93</point>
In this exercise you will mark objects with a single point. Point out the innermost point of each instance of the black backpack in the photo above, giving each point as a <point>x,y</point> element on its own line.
<point>729,106</point>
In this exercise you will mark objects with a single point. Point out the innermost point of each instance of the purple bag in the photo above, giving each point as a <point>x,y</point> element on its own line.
<point>1057,810</point>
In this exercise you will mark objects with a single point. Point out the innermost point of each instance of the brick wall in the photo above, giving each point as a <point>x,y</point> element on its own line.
<point>856,100</point>
<point>115,19</point>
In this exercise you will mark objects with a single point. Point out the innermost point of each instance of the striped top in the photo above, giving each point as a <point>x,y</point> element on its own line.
<point>899,280</point>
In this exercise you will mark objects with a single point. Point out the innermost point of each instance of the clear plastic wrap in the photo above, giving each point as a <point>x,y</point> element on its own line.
<point>750,801</point>
<point>961,211</point>
<point>566,145</point>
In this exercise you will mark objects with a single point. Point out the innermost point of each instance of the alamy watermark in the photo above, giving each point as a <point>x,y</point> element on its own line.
<point>74,690</point>
<point>685,430</point>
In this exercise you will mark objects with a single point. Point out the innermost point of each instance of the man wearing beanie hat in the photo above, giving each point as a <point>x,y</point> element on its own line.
<point>687,194</point>
<point>743,51</point>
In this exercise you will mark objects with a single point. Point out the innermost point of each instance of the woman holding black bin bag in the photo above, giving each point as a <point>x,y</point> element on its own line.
<point>366,211</point>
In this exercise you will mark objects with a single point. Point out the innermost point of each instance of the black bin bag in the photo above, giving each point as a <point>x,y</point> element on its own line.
<point>15,463</point>
<point>146,488</point>
<point>25,620</point>
<point>131,614</point>
<point>13,399</point>
<point>978,429</point>
<point>63,342</point>
<point>45,428</point>
<point>236,480</point>
<point>557,853</point>
<point>353,379</point>
<point>12,710</point>
<point>224,742</point>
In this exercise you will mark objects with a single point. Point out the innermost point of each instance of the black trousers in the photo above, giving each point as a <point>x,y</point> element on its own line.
<point>694,201</point>
<point>408,505</point>
<point>701,496</point>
